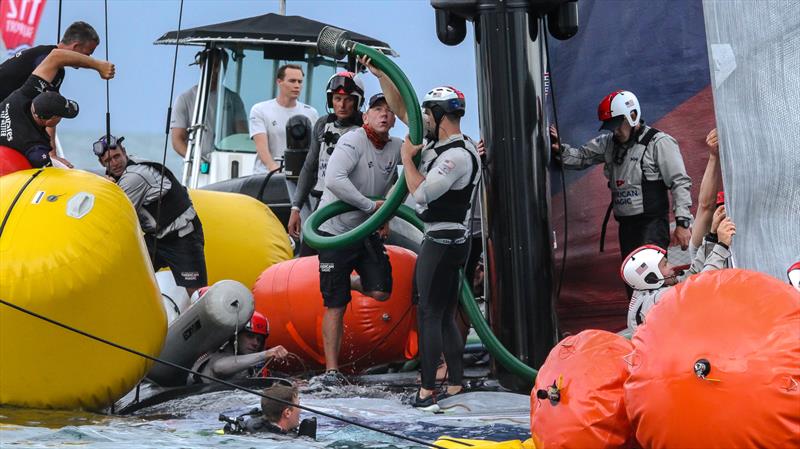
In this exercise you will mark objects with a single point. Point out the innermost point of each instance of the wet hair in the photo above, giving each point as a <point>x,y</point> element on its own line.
<point>272,410</point>
<point>80,32</point>
<point>282,70</point>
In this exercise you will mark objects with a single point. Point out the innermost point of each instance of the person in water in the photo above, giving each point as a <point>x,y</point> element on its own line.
<point>647,271</point>
<point>172,230</point>
<point>243,356</point>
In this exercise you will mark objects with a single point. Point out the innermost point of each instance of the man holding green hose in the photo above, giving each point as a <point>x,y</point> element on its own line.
<point>362,165</point>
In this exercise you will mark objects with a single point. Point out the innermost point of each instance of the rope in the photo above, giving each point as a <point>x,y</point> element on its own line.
<point>166,132</point>
<point>108,82</point>
<point>214,379</point>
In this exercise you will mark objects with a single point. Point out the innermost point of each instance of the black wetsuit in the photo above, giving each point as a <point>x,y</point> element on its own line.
<point>18,129</point>
<point>451,169</point>
<point>16,70</point>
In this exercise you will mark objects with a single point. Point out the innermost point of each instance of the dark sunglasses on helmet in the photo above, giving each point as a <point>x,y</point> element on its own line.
<point>101,146</point>
<point>343,84</point>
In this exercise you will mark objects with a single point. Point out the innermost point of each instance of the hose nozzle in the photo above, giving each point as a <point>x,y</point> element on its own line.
<point>334,42</point>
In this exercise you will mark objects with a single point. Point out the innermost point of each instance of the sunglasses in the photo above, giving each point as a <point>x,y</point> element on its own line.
<point>101,146</point>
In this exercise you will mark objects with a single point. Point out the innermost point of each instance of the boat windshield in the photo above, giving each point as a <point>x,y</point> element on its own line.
<point>249,79</point>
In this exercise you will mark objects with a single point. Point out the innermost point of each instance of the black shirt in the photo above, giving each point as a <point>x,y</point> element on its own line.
<point>18,130</point>
<point>16,70</point>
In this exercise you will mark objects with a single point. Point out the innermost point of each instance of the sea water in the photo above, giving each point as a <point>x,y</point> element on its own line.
<point>193,422</point>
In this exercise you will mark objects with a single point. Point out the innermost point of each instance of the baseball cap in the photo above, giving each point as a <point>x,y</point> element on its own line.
<point>375,99</point>
<point>49,104</point>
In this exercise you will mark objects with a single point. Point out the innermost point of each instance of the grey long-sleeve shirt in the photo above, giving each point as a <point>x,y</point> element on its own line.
<point>661,160</point>
<point>356,171</point>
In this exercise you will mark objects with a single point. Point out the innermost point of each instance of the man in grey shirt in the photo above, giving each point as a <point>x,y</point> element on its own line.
<point>362,165</point>
<point>234,117</point>
<point>172,229</point>
<point>642,164</point>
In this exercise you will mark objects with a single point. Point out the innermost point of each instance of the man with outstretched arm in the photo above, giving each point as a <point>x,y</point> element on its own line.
<point>28,111</point>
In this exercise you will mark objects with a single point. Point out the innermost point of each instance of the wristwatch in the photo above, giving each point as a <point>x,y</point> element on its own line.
<point>683,222</point>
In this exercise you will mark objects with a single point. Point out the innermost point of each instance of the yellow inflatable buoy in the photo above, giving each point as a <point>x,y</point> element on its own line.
<point>463,443</point>
<point>243,237</point>
<point>71,250</point>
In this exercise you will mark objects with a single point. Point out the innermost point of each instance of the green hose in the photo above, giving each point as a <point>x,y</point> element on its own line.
<point>392,205</point>
<point>400,190</point>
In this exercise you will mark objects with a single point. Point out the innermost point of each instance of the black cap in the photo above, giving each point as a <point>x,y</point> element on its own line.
<point>376,98</point>
<point>612,123</point>
<point>49,104</point>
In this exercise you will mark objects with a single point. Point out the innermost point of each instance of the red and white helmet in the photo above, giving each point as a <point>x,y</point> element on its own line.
<point>346,83</point>
<point>258,324</point>
<point>618,104</point>
<point>640,269</point>
<point>449,99</point>
<point>794,275</point>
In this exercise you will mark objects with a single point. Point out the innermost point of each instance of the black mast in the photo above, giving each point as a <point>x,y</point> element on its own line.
<point>511,61</point>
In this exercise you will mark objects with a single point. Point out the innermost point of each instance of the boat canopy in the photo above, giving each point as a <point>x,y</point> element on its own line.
<point>265,30</point>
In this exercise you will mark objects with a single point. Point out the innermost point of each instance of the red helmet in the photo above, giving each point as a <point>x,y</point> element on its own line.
<point>258,324</point>
<point>346,83</point>
<point>794,275</point>
<point>617,105</point>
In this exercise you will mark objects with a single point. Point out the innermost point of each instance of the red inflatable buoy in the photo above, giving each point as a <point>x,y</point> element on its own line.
<point>717,365</point>
<point>577,401</point>
<point>12,160</point>
<point>375,332</point>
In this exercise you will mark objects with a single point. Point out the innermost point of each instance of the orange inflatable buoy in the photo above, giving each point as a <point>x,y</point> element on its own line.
<point>375,333</point>
<point>577,401</point>
<point>12,160</point>
<point>717,365</point>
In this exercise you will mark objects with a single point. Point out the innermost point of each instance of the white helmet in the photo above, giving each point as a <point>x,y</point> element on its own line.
<point>794,275</point>
<point>449,99</point>
<point>618,104</point>
<point>345,83</point>
<point>640,269</point>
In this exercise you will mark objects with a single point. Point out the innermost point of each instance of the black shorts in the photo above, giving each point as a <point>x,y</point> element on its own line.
<point>184,256</point>
<point>370,261</point>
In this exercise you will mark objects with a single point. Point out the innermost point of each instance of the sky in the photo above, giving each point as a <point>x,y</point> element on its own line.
<point>139,95</point>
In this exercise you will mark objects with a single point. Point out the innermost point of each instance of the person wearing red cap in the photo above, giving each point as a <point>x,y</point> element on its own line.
<point>241,356</point>
<point>642,165</point>
<point>28,111</point>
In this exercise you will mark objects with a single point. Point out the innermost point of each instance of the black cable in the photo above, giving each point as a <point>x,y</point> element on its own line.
<point>108,101</point>
<point>166,137</point>
<point>213,379</point>
<point>58,35</point>
<point>561,166</point>
<point>266,180</point>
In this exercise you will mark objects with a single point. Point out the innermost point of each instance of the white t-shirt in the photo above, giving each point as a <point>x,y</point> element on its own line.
<point>269,117</point>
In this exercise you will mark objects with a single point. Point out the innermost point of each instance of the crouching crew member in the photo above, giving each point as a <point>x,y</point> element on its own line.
<point>29,110</point>
<point>647,271</point>
<point>176,239</point>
